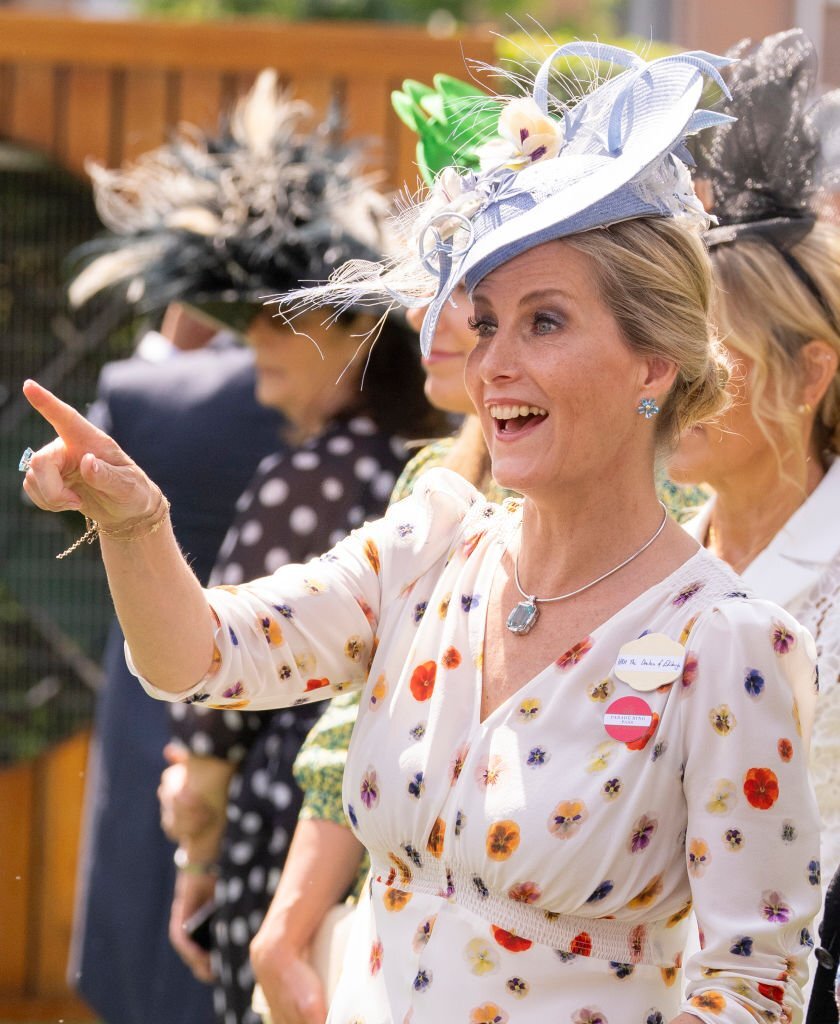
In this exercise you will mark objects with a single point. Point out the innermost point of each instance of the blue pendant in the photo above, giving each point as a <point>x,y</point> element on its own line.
<point>523,617</point>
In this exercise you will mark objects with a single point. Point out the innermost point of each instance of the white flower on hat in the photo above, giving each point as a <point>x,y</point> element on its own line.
<point>452,194</point>
<point>526,134</point>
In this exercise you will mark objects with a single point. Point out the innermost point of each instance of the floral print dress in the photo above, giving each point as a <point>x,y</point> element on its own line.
<point>533,867</point>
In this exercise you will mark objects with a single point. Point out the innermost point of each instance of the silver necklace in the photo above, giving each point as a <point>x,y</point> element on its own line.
<point>523,617</point>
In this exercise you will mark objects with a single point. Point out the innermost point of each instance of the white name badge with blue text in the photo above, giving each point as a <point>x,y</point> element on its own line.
<point>652,661</point>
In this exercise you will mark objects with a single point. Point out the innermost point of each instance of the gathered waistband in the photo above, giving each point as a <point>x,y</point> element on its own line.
<point>568,934</point>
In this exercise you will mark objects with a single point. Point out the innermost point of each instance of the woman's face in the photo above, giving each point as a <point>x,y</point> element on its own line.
<point>444,366</point>
<point>292,376</point>
<point>555,384</point>
<point>711,453</point>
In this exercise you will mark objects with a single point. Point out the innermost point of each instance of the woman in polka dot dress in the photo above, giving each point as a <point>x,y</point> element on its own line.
<point>302,501</point>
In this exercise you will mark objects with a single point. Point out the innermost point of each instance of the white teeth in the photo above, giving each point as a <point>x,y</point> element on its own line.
<point>509,412</point>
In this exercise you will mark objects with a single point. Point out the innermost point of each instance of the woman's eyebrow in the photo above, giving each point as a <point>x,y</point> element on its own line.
<point>537,295</point>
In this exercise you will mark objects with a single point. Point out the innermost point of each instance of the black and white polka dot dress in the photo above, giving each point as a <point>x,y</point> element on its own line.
<point>299,504</point>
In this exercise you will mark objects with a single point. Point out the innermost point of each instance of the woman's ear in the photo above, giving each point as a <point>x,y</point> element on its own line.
<point>659,375</point>
<point>818,362</point>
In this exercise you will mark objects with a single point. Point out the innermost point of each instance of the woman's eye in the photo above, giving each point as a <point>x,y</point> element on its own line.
<point>545,323</point>
<point>481,326</point>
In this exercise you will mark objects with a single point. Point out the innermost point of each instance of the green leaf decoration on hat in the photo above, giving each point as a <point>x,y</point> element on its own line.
<point>452,120</point>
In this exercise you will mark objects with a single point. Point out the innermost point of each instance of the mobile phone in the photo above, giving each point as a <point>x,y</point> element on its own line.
<point>199,926</point>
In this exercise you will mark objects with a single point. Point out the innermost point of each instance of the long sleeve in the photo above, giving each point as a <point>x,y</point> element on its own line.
<point>752,842</point>
<point>308,631</point>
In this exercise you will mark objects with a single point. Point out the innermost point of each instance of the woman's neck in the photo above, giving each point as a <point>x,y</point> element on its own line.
<point>566,544</point>
<point>753,505</point>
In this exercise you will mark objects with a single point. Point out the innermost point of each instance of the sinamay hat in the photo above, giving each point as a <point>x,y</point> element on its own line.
<point>552,171</point>
<point>234,217</point>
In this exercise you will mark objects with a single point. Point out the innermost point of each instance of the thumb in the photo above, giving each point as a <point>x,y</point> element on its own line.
<point>119,483</point>
<point>174,753</point>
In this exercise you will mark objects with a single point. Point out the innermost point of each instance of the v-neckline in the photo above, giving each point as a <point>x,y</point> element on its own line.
<point>478,631</point>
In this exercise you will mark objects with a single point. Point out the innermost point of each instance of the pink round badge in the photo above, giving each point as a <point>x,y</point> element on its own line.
<point>628,719</point>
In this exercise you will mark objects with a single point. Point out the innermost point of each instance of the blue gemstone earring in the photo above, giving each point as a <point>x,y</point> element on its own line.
<point>648,408</point>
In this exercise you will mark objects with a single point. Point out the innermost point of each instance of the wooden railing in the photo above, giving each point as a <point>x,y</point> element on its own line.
<point>111,90</point>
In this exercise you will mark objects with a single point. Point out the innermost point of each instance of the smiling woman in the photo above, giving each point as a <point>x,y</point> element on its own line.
<point>539,822</point>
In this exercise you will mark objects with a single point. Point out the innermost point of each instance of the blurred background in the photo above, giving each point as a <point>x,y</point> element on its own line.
<point>108,79</point>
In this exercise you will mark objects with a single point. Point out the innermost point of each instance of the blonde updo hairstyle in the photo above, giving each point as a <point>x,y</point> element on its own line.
<point>655,277</point>
<point>764,311</point>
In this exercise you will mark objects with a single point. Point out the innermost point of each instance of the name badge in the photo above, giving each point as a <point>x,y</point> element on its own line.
<point>652,661</point>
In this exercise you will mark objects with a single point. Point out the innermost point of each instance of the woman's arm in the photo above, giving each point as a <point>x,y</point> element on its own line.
<point>321,866</point>
<point>160,603</point>
<point>752,842</point>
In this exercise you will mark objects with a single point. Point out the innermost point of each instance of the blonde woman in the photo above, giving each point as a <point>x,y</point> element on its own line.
<point>772,459</point>
<point>540,815</point>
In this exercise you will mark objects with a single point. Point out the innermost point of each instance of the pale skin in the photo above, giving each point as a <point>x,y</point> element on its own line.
<point>540,343</point>
<point>738,461</point>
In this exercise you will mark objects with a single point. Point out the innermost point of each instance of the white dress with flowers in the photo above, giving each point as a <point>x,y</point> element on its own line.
<point>530,868</point>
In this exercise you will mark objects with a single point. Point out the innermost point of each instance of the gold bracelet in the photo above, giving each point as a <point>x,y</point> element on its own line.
<point>144,527</point>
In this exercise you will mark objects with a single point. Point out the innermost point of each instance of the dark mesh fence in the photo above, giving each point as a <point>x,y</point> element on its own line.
<point>53,615</point>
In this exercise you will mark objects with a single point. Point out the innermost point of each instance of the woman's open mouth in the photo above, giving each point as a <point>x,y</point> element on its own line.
<point>511,420</point>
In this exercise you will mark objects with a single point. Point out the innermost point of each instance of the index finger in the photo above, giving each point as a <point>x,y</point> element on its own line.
<point>69,424</point>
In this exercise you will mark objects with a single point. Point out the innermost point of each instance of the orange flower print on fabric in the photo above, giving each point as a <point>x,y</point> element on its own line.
<point>699,857</point>
<point>396,900</point>
<point>436,837</point>
<point>378,693</point>
<point>712,1002</point>
<point>647,895</point>
<point>403,869</point>
<point>783,639</point>
<point>375,959</point>
<point>451,658</point>
<point>679,915</point>
<point>423,933</point>
<point>215,663</point>
<point>423,680</point>
<point>574,654</point>
<point>761,788</point>
<point>785,748</point>
<point>510,940</point>
<point>566,818</point>
<point>372,554</point>
<point>456,765</point>
<point>367,611</point>
<point>581,944</point>
<point>524,892</point>
<point>686,630</point>
<point>502,840</point>
<point>271,630</point>
<point>489,1013</point>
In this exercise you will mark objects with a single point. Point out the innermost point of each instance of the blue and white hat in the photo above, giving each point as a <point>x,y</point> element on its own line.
<point>552,171</point>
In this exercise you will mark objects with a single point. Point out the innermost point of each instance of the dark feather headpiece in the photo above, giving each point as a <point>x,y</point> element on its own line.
<point>232,218</point>
<point>770,171</point>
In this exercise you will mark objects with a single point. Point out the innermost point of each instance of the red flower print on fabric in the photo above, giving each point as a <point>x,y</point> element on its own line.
<point>423,680</point>
<point>643,741</point>
<point>783,639</point>
<point>785,749</point>
<point>581,944</point>
<point>525,892</point>
<point>510,940</point>
<point>451,658</point>
<point>316,684</point>
<point>761,788</point>
<point>574,654</point>
<point>690,667</point>
<point>774,992</point>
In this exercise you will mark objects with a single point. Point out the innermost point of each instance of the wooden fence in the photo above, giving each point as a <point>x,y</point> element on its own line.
<point>110,90</point>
